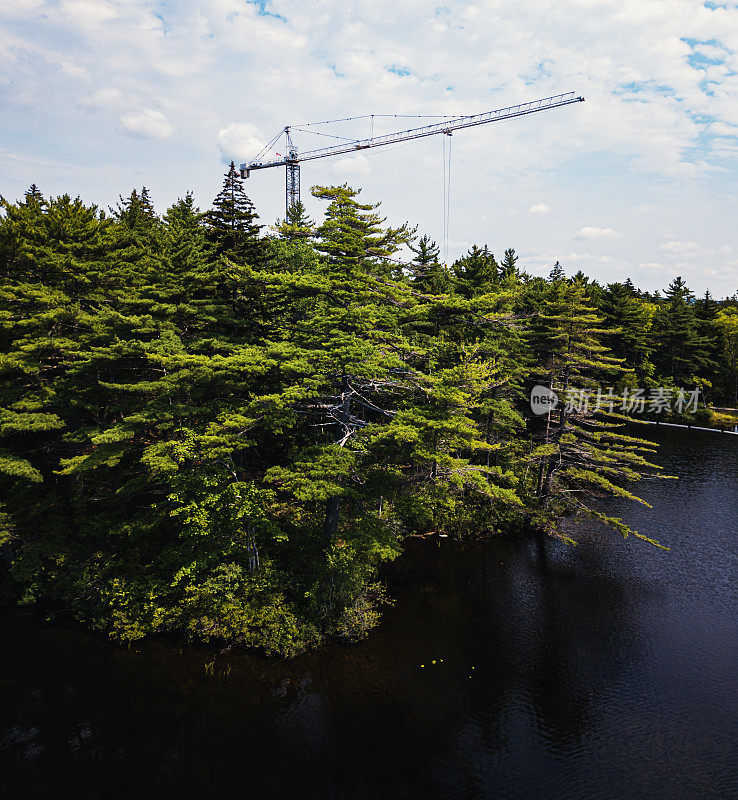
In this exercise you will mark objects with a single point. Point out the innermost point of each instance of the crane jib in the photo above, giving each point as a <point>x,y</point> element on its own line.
<point>446,126</point>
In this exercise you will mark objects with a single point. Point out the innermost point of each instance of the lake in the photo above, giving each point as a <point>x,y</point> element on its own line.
<point>606,670</point>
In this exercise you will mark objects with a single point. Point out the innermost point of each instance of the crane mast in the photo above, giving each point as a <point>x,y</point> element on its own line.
<point>292,158</point>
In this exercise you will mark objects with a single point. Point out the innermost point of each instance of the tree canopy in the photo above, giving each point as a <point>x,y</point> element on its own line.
<point>216,431</point>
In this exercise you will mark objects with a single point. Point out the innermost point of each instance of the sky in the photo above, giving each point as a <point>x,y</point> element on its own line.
<point>99,96</point>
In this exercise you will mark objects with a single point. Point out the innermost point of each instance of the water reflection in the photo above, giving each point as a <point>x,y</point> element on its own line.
<point>604,670</point>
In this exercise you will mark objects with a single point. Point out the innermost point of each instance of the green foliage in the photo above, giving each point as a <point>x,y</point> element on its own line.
<point>428,274</point>
<point>297,225</point>
<point>727,321</point>
<point>475,273</point>
<point>682,350</point>
<point>631,321</point>
<point>352,237</point>
<point>208,431</point>
<point>232,228</point>
<point>576,453</point>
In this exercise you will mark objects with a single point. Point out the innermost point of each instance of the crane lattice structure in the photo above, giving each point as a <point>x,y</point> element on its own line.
<point>292,158</point>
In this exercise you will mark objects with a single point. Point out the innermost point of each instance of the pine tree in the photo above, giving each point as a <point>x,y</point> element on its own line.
<point>630,287</point>
<point>136,212</point>
<point>579,455</point>
<point>352,235</point>
<point>706,312</point>
<point>184,215</point>
<point>678,289</point>
<point>232,225</point>
<point>475,273</point>
<point>631,320</point>
<point>681,350</point>
<point>34,196</point>
<point>353,371</point>
<point>508,268</point>
<point>429,275</point>
<point>727,319</point>
<point>297,225</point>
<point>23,228</point>
<point>185,230</point>
<point>557,274</point>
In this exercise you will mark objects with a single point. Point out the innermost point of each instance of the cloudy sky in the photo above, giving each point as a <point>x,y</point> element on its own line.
<point>98,96</point>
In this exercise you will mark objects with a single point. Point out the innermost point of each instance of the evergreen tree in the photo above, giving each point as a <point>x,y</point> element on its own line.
<point>232,226</point>
<point>579,454</point>
<point>34,196</point>
<point>709,330</point>
<point>352,237</point>
<point>630,320</point>
<point>681,350</point>
<point>727,319</point>
<point>184,215</point>
<point>297,225</point>
<point>629,287</point>
<point>351,367</point>
<point>429,275</point>
<point>678,290</point>
<point>186,242</point>
<point>136,212</point>
<point>475,273</point>
<point>557,274</point>
<point>508,268</point>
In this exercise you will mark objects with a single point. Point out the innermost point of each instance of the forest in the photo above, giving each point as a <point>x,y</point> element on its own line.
<point>219,430</point>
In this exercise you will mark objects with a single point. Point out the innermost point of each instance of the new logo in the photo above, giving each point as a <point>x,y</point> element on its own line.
<point>543,400</point>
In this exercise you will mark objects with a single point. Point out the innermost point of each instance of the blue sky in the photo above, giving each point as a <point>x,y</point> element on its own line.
<point>98,96</point>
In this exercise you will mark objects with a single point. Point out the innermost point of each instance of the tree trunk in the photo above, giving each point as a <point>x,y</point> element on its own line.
<point>252,549</point>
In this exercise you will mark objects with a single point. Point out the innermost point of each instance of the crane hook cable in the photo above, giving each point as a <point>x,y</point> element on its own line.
<point>446,197</point>
<point>443,207</point>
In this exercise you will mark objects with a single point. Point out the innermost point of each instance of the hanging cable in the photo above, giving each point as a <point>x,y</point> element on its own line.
<point>331,121</point>
<point>418,116</point>
<point>445,240</point>
<point>448,196</point>
<point>329,135</point>
<point>368,116</point>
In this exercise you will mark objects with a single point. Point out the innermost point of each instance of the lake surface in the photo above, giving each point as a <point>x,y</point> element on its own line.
<point>606,670</point>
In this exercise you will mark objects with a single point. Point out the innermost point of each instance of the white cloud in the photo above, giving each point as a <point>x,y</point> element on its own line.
<point>654,266</point>
<point>88,12</point>
<point>355,165</point>
<point>593,232</point>
<point>540,209</point>
<point>239,141</point>
<point>721,129</point>
<point>680,249</point>
<point>21,8</point>
<point>148,124</point>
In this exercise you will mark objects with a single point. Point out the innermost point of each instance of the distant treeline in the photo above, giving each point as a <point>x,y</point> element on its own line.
<point>215,429</point>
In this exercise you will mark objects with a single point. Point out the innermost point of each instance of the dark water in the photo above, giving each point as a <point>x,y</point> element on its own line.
<point>602,671</point>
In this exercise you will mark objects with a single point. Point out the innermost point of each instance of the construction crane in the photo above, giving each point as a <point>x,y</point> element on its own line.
<point>292,158</point>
